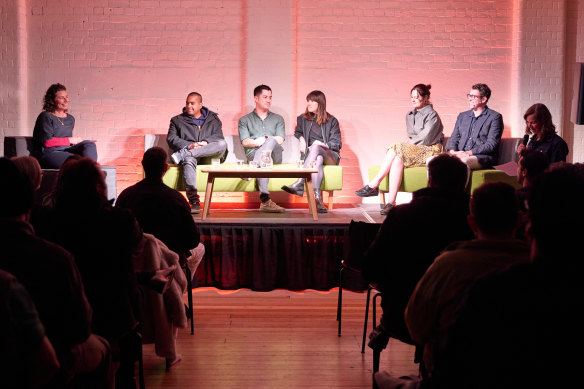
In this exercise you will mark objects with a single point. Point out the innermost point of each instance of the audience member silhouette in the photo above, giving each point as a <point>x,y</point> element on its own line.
<point>51,277</point>
<point>102,239</point>
<point>521,327</point>
<point>28,359</point>
<point>160,210</point>
<point>532,163</point>
<point>411,237</point>
<point>494,217</point>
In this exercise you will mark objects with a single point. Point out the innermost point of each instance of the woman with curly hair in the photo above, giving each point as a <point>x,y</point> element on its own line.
<point>53,131</point>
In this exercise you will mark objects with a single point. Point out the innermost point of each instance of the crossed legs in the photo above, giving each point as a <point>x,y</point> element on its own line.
<point>189,161</point>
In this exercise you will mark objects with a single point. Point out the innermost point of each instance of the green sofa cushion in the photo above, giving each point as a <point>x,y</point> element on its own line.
<point>333,180</point>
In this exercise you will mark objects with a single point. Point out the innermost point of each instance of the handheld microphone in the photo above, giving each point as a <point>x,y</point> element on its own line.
<point>525,139</point>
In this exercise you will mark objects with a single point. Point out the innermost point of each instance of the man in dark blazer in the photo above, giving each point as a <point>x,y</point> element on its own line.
<point>477,133</point>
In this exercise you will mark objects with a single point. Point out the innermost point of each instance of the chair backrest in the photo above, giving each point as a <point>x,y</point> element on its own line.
<point>361,235</point>
<point>17,146</point>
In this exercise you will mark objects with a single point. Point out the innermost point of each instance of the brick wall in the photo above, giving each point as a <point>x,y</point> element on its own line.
<point>573,133</point>
<point>128,64</point>
<point>12,83</point>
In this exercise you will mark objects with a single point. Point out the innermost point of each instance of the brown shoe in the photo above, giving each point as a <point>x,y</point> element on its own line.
<point>271,207</point>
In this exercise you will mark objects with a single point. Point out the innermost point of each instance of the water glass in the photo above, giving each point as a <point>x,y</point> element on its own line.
<point>239,163</point>
<point>300,163</point>
<point>215,162</point>
<point>253,164</point>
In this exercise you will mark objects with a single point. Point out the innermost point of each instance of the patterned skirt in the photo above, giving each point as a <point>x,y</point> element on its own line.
<point>415,155</point>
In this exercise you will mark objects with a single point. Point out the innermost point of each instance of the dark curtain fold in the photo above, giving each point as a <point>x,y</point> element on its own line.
<point>268,257</point>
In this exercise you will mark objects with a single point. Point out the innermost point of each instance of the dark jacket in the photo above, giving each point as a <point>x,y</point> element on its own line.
<point>162,212</point>
<point>409,239</point>
<point>485,138</point>
<point>183,131</point>
<point>51,277</point>
<point>554,147</point>
<point>330,132</point>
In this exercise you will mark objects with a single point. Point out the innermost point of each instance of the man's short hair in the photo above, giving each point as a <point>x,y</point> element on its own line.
<point>494,207</point>
<point>258,89</point>
<point>16,196</point>
<point>533,162</point>
<point>447,172</point>
<point>556,211</point>
<point>195,94</point>
<point>154,162</point>
<point>484,89</point>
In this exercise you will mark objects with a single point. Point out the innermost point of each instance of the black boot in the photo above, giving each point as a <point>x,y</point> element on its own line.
<point>296,188</point>
<point>320,208</point>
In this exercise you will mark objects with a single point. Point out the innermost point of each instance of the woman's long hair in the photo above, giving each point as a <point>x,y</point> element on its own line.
<point>322,116</point>
<point>49,99</point>
<point>543,117</point>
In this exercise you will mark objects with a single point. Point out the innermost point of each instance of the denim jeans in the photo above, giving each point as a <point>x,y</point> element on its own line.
<point>189,161</point>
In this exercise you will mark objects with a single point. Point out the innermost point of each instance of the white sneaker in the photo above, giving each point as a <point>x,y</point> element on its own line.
<point>270,206</point>
<point>176,157</point>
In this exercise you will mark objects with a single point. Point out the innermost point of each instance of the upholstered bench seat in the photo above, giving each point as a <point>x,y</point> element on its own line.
<point>333,175</point>
<point>415,178</point>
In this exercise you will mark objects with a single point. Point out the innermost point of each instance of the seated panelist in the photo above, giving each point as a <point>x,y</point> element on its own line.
<point>53,140</point>
<point>319,130</point>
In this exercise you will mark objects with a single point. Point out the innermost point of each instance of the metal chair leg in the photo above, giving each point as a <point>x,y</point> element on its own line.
<point>366,318</point>
<point>376,353</point>
<point>340,301</point>
<point>189,309</point>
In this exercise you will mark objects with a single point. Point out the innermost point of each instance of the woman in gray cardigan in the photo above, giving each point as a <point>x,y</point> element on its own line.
<point>425,137</point>
<point>319,130</point>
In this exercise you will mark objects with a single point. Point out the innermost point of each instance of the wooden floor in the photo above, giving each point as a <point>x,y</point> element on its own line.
<point>278,339</point>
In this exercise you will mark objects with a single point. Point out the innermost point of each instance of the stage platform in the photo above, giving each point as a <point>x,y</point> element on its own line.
<point>295,214</point>
<point>246,248</point>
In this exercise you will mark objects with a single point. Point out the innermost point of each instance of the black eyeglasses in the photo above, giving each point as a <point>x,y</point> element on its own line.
<point>474,97</point>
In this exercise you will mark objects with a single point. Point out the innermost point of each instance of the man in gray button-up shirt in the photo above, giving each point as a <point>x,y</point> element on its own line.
<point>262,130</point>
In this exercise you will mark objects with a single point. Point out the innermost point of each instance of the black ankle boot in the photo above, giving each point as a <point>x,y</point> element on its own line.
<point>320,208</point>
<point>296,188</point>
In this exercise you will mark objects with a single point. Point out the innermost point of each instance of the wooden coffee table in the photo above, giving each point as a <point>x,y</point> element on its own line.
<point>246,172</point>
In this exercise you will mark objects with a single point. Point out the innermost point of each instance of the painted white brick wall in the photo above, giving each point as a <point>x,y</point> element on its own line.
<point>128,64</point>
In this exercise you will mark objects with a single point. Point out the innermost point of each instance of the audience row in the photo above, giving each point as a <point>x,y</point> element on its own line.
<point>488,287</point>
<point>82,263</point>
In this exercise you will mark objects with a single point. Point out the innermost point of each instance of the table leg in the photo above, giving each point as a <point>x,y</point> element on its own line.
<point>208,195</point>
<point>310,196</point>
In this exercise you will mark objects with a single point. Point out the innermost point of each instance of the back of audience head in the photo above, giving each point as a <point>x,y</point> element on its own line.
<point>30,167</point>
<point>16,198</point>
<point>494,210</point>
<point>80,185</point>
<point>154,162</point>
<point>556,212</point>
<point>447,172</point>
<point>532,163</point>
